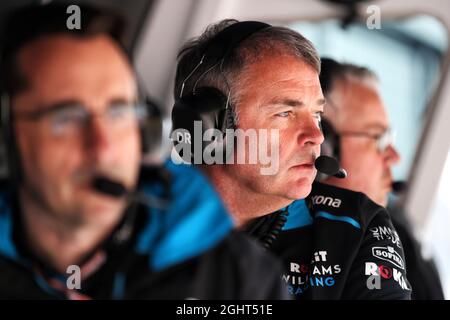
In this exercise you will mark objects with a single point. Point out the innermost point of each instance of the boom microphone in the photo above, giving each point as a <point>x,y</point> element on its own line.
<point>399,186</point>
<point>116,189</point>
<point>330,166</point>
<point>112,188</point>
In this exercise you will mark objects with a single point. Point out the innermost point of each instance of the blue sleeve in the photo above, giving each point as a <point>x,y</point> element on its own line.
<point>194,221</point>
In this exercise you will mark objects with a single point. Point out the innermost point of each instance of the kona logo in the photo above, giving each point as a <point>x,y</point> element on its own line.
<point>327,201</point>
<point>388,254</point>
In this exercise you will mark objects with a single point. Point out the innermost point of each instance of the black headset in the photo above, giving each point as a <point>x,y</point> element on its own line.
<point>331,144</point>
<point>207,104</point>
<point>332,141</point>
<point>9,156</point>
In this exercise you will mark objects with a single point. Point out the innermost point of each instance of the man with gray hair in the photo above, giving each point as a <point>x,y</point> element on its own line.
<point>251,75</point>
<point>357,132</point>
<point>357,119</point>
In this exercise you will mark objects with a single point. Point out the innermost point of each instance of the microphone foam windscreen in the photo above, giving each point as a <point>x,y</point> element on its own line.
<point>327,165</point>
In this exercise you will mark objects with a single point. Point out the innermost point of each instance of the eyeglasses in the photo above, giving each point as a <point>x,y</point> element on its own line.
<point>383,140</point>
<point>72,119</point>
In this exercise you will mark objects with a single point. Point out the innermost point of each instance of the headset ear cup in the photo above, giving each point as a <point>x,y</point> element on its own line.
<point>183,119</point>
<point>206,105</point>
<point>330,146</point>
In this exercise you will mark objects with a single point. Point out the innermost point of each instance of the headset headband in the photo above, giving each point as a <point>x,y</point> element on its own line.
<point>229,38</point>
<point>223,45</point>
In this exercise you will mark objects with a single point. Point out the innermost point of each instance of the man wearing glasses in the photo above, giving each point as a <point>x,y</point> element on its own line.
<point>357,131</point>
<point>69,227</point>
<point>355,113</point>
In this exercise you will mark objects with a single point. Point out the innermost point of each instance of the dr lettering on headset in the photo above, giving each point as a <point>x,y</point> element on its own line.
<point>80,218</point>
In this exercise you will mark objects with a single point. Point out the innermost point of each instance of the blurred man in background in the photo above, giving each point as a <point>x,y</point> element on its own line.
<point>71,225</point>
<point>357,132</point>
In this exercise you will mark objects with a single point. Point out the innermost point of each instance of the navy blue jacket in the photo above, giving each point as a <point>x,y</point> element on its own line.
<point>336,244</point>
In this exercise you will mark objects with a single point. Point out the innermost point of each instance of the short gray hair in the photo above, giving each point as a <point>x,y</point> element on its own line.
<point>272,40</point>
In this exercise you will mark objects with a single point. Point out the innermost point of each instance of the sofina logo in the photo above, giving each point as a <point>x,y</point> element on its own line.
<point>388,254</point>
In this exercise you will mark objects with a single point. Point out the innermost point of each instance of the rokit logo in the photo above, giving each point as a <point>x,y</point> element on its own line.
<point>386,233</point>
<point>388,254</point>
<point>319,256</point>
<point>326,201</point>
<point>378,272</point>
